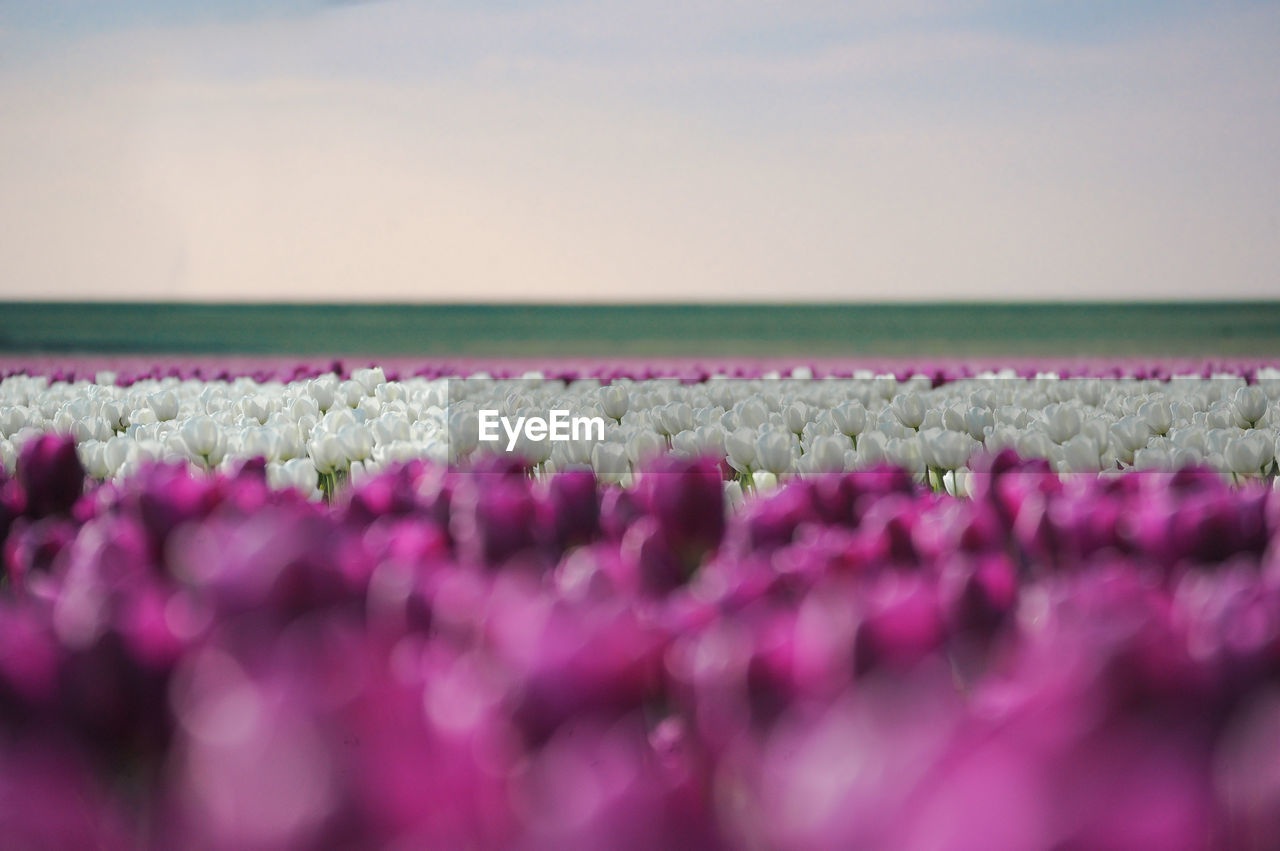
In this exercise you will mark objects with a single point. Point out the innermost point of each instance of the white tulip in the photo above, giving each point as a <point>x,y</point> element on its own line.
<point>1247,455</point>
<point>871,449</point>
<point>1250,404</point>
<point>1035,444</point>
<point>1099,432</point>
<point>764,481</point>
<point>257,408</point>
<point>643,446</point>
<point>348,393</point>
<point>304,406</point>
<point>297,473</point>
<point>674,418</point>
<point>909,409</point>
<point>1081,454</point>
<point>203,439</point>
<point>946,450</point>
<point>12,420</point>
<point>610,462</point>
<point>850,418</point>
<point>827,454</point>
<point>1153,458</point>
<point>327,453</point>
<point>905,452</point>
<point>259,442</point>
<point>164,404</point>
<point>752,413</point>
<point>356,442</point>
<point>740,449</point>
<point>1129,435</point>
<point>369,379</point>
<point>391,394</point>
<point>978,421</point>
<point>322,391</point>
<point>1158,416</point>
<point>92,456</point>
<point>795,417</point>
<point>1062,422</point>
<point>1010,415</point>
<point>1221,417</point>
<point>774,451</point>
<point>116,452</point>
<point>116,415</point>
<point>614,400</point>
<point>710,440</point>
<point>389,428</point>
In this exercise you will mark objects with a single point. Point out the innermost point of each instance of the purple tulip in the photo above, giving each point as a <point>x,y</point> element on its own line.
<point>50,472</point>
<point>494,517</point>
<point>571,509</point>
<point>686,498</point>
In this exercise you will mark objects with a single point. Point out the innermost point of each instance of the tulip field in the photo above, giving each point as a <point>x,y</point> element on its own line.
<point>970,606</point>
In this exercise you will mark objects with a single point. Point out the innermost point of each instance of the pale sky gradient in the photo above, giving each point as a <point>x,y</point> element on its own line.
<point>621,151</point>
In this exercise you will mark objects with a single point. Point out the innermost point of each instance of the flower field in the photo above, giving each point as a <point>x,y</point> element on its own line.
<point>906,607</point>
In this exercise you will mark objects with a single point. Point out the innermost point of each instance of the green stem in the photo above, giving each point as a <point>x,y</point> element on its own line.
<point>328,484</point>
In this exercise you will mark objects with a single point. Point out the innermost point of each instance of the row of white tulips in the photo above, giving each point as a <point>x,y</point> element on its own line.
<point>316,432</point>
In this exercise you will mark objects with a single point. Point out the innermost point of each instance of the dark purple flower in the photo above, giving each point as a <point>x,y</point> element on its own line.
<point>51,474</point>
<point>571,509</point>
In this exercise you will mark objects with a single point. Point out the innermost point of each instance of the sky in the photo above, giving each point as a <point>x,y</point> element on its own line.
<point>605,150</point>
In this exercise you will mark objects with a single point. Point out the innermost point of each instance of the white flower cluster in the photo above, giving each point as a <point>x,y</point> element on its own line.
<point>305,430</point>
<point>766,429</point>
